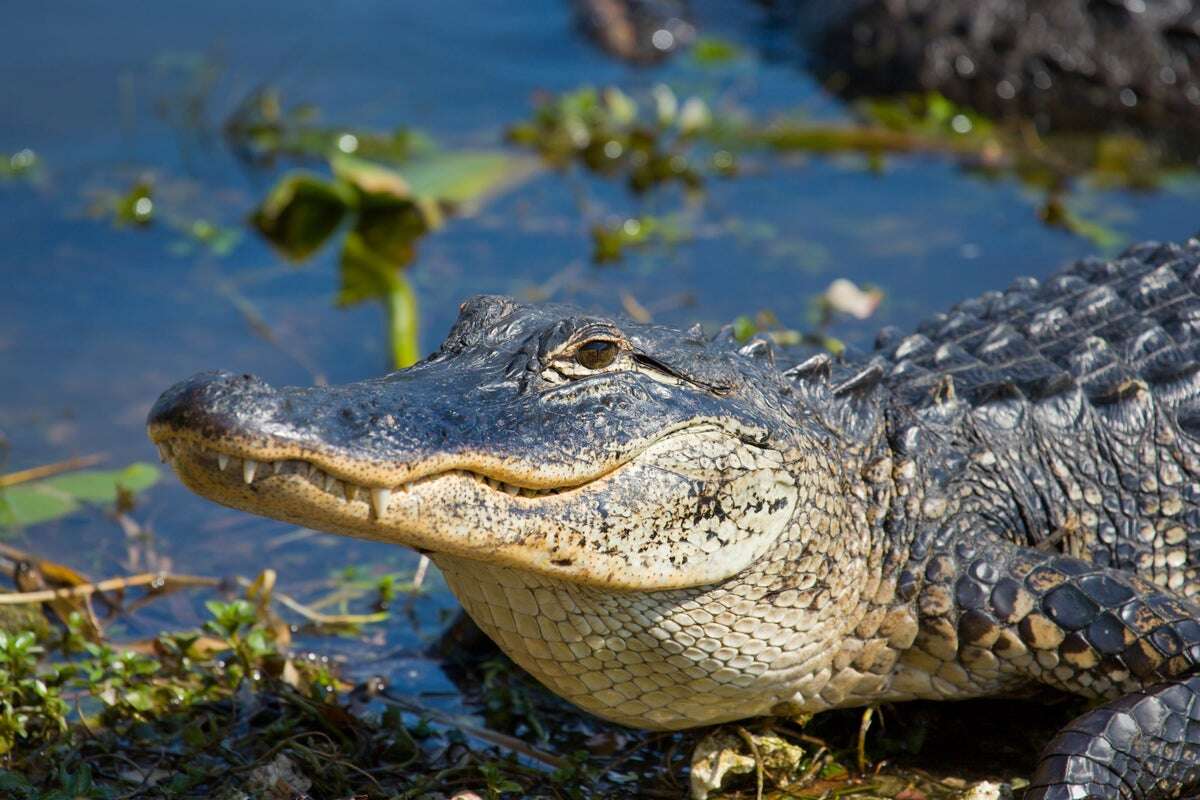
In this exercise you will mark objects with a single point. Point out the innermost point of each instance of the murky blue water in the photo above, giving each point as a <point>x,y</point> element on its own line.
<point>95,321</point>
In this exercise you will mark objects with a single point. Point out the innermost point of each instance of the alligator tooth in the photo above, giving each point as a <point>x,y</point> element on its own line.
<point>249,467</point>
<point>164,452</point>
<point>351,491</point>
<point>513,490</point>
<point>379,500</point>
<point>276,466</point>
<point>408,486</point>
<point>315,472</point>
<point>222,461</point>
<point>331,483</point>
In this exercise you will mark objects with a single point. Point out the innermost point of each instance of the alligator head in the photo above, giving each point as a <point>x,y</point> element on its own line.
<point>540,444</point>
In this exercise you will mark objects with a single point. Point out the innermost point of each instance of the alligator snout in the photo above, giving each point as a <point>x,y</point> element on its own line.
<point>397,423</point>
<point>215,404</point>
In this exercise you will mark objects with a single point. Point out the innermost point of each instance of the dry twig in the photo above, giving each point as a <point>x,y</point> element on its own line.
<point>50,470</point>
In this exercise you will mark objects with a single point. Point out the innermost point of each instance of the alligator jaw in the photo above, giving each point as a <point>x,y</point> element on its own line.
<point>461,508</point>
<point>257,468</point>
<point>308,489</point>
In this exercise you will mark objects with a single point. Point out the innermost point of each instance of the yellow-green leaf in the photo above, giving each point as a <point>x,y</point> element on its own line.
<point>51,498</point>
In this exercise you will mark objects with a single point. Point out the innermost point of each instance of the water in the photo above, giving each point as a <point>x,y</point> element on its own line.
<point>95,320</point>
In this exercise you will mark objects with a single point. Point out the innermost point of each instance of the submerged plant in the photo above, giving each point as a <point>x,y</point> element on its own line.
<point>384,213</point>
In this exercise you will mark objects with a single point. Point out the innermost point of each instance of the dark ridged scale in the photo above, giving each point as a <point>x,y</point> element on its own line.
<point>1086,390</point>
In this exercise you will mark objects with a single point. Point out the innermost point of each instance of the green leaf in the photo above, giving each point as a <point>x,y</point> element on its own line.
<point>365,273</point>
<point>100,486</point>
<point>31,504</point>
<point>373,180</point>
<point>16,785</point>
<point>709,51</point>
<point>743,328</point>
<point>51,498</point>
<point>301,213</point>
<point>455,178</point>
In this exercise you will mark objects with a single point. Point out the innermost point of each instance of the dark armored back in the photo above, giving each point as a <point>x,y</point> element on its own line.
<point>1078,398</point>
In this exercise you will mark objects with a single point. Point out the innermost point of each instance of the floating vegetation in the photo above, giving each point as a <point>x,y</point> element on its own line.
<point>21,165</point>
<point>610,134</point>
<point>842,297</point>
<point>610,241</point>
<point>1058,212</point>
<point>712,51</point>
<point>133,207</point>
<point>385,212</point>
<point>262,130</point>
<point>163,203</point>
<point>202,234</point>
<point>661,140</point>
<point>932,124</point>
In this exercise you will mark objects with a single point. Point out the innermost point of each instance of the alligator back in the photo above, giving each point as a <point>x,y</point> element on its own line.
<point>1068,412</point>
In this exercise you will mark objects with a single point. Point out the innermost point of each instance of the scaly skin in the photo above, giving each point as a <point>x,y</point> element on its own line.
<point>671,531</point>
<point>1065,64</point>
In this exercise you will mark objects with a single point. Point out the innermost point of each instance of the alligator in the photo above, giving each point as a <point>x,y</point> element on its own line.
<point>1067,64</point>
<point>674,530</point>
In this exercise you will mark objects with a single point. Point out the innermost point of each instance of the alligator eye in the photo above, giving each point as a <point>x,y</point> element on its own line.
<point>596,354</point>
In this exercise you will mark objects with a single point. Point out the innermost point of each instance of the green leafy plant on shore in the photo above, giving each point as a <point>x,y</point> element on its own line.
<point>228,712</point>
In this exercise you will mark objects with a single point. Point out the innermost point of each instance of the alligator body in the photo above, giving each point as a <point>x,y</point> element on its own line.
<point>671,530</point>
<point>1068,64</point>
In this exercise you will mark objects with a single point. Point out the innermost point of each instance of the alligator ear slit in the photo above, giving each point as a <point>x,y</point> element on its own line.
<point>866,380</point>
<point>818,367</point>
